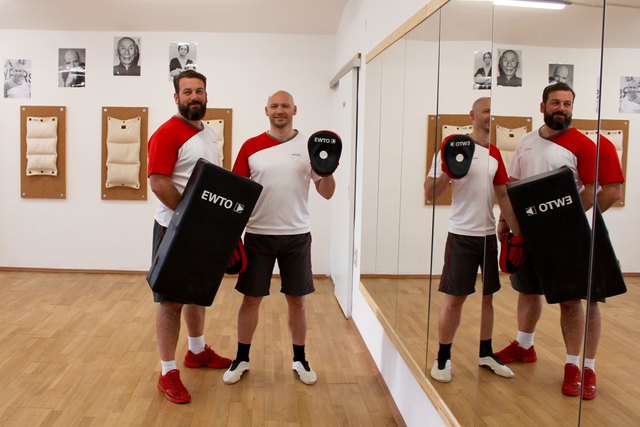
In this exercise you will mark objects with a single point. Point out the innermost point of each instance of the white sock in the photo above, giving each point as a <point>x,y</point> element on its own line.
<point>196,344</point>
<point>167,365</point>
<point>525,339</point>
<point>573,359</point>
<point>590,363</point>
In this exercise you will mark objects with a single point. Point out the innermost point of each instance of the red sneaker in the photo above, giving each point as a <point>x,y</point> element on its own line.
<point>208,358</point>
<point>571,381</point>
<point>589,387</point>
<point>514,353</point>
<point>172,387</point>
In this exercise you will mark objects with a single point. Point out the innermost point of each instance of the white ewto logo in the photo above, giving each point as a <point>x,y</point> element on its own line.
<point>549,205</point>
<point>222,201</point>
<point>324,140</point>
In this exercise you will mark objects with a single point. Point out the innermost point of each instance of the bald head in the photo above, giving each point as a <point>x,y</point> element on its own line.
<point>561,74</point>
<point>481,120</point>
<point>71,59</point>
<point>280,95</point>
<point>479,103</point>
<point>280,109</point>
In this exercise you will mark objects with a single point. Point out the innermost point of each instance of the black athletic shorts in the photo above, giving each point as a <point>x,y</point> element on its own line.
<point>293,253</point>
<point>526,280</point>
<point>158,234</point>
<point>462,257</point>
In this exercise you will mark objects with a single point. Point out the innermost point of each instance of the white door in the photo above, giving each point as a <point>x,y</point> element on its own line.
<point>342,256</point>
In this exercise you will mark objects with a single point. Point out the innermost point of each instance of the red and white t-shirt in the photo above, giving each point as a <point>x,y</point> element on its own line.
<point>174,149</point>
<point>609,168</point>
<point>284,171</point>
<point>472,195</point>
<point>535,154</point>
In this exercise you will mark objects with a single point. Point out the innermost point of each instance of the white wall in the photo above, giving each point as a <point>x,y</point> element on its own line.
<point>365,23</point>
<point>85,232</point>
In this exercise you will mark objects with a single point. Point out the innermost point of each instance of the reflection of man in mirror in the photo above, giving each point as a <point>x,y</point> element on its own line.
<point>128,53</point>
<point>508,65</point>
<point>16,84</point>
<point>630,100</point>
<point>71,72</point>
<point>482,76</point>
<point>471,240</point>
<point>554,145</point>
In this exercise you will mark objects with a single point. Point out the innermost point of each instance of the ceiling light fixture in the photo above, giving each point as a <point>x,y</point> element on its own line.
<point>537,4</point>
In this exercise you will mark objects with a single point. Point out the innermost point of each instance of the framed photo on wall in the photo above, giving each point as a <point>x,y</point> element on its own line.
<point>17,78</point>
<point>629,95</point>
<point>182,56</point>
<point>71,67</point>
<point>561,73</point>
<point>482,70</point>
<point>509,68</point>
<point>126,59</point>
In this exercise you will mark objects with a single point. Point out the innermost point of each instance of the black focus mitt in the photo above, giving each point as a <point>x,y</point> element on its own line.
<point>238,262</point>
<point>456,153</point>
<point>325,148</point>
<point>512,252</point>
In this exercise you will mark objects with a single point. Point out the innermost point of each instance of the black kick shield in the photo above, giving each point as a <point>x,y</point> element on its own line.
<point>204,231</point>
<point>558,238</point>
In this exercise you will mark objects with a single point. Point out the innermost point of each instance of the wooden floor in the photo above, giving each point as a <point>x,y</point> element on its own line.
<point>79,350</point>
<point>477,397</point>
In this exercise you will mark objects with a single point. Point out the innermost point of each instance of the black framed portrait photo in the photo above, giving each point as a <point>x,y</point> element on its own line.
<point>126,59</point>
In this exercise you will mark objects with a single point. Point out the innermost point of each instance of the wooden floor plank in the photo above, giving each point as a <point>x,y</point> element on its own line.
<point>79,349</point>
<point>533,398</point>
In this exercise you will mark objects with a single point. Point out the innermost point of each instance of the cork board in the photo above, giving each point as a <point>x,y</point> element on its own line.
<point>44,186</point>
<point>225,114</point>
<point>434,138</point>
<point>122,192</point>
<point>610,125</point>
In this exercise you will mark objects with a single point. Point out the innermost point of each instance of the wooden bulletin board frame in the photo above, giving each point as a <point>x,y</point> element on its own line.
<point>44,186</point>
<point>125,193</point>
<point>225,114</point>
<point>610,124</point>
<point>434,137</point>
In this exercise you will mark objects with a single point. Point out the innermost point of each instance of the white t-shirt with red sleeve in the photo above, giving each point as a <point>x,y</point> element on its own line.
<point>472,195</point>
<point>535,154</point>
<point>174,149</point>
<point>284,171</point>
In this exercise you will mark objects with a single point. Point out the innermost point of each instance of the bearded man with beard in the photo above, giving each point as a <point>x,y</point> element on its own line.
<point>554,145</point>
<point>174,149</point>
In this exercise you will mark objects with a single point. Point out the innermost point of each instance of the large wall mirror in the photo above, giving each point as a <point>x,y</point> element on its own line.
<point>420,88</point>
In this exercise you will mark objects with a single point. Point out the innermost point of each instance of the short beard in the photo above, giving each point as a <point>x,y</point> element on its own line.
<point>554,124</point>
<point>188,113</point>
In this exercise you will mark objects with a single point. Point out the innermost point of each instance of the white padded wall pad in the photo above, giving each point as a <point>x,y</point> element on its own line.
<point>455,130</point>
<point>507,139</point>
<point>42,142</point>
<point>123,152</point>
<point>217,125</point>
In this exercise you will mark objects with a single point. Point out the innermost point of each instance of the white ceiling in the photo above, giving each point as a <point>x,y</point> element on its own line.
<point>240,16</point>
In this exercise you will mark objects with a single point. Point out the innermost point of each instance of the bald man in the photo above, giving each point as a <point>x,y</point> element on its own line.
<point>471,241</point>
<point>560,75</point>
<point>278,230</point>
<point>71,72</point>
